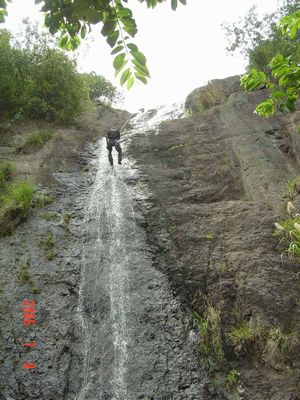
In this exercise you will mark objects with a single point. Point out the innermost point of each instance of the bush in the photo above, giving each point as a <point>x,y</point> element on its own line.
<point>39,81</point>
<point>101,89</point>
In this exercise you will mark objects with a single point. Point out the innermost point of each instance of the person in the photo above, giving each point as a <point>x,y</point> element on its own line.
<point>112,140</point>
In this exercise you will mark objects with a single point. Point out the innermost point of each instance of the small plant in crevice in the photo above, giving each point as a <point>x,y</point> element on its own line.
<point>24,273</point>
<point>6,173</point>
<point>67,217</point>
<point>288,230</point>
<point>48,216</point>
<point>233,379</point>
<point>47,243</point>
<point>210,343</point>
<point>35,290</point>
<point>210,236</point>
<point>42,199</point>
<point>292,187</point>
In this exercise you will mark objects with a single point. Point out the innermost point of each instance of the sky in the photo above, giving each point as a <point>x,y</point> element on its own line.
<point>184,49</point>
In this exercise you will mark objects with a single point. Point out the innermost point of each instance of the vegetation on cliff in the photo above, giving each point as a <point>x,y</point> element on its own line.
<point>37,80</point>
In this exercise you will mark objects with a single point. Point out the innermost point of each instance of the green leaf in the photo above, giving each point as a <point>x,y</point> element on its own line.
<point>130,83</point>
<point>117,49</point>
<point>83,32</point>
<point>62,41</point>
<point>125,76</point>
<point>174,4</point>
<point>120,69</point>
<point>142,69</point>
<point>132,47</point>
<point>139,57</point>
<point>132,30</point>
<point>112,38</point>
<point>108,27</point>
<point>141,77</point>
<point>277,94</point>
<point>119,61</point>
<point>266,108</point>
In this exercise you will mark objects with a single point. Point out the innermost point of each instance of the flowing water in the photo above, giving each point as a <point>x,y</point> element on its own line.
<point>137,344</point>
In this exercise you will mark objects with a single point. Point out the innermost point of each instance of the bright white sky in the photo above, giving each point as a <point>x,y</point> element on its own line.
<point>184,49</point>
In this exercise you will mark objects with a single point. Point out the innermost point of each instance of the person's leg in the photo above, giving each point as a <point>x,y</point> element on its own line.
<point>109,148</point>
<point>110,159</point>
<point>119,150</point>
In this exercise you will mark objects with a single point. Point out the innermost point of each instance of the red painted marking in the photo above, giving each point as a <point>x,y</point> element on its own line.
<point>29,365</point>
<point>32,344</point>
<point>29,303</point>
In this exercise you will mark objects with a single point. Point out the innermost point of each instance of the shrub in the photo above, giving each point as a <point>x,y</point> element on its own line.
<point>38,80</point>
<point>289,231</point>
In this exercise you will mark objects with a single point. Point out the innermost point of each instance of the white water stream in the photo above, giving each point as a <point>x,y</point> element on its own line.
<point>134,336</point>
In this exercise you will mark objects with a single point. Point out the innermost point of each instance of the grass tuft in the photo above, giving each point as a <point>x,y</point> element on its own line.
<point>15,204</point>
<point>48,243</point>
<point>233,379</point>
<point>209,334</point>
<point>6,173</point>
<point>35,140</point>
<point>245,338</point>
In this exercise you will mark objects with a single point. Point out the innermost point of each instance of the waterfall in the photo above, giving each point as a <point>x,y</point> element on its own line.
<point>135,341</point>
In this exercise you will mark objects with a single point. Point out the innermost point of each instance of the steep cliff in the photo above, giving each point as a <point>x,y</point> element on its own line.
<point>218,184</point>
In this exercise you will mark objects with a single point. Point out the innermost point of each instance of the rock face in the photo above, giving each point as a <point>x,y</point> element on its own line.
<point>210,188</point>
<point>217,181</point>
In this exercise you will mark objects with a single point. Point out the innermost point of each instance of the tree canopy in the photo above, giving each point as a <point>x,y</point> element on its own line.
<point>259,39</point>
<point>38,80</point>
<point>284,79</point>
<point>74,18</point>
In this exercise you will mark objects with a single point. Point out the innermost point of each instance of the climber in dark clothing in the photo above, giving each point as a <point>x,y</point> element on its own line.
<point>112,140</point>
